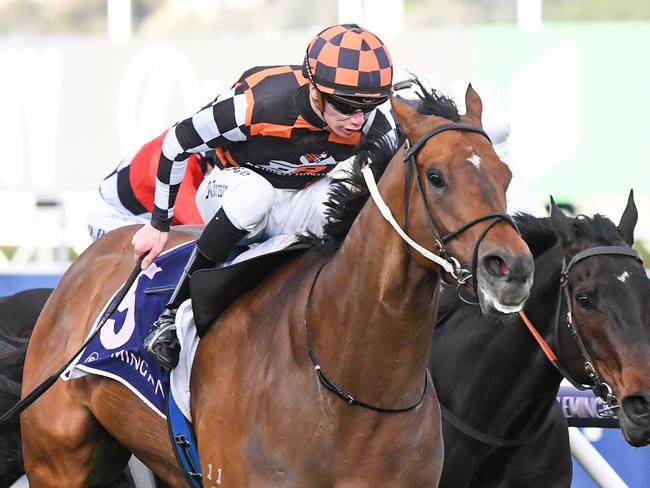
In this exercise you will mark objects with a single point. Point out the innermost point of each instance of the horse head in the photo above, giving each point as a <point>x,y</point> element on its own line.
<point>607,293</point>
<point>455,202</point>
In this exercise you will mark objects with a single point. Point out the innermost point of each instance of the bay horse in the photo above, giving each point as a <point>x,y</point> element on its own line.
<point>18,315</point>
<point>264,414</point>
<point>503,426</point>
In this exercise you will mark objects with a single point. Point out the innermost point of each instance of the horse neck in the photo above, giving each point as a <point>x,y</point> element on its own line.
<point>543,379</point>
<point>535,377</point>
<point>373,309</point>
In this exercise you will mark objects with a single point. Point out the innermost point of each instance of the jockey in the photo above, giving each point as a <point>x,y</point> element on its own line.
<point>277,133</point>
<point>126,196</point>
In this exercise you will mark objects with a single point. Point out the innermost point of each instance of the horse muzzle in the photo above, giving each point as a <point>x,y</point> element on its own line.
<point>504,282</point>
<point>634,418</point>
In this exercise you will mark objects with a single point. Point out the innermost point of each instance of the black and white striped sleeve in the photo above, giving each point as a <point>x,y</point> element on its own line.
<point>218,124</point>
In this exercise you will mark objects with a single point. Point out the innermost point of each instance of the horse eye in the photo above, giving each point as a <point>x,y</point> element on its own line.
<point>436,178</point>
<point>584,301</point>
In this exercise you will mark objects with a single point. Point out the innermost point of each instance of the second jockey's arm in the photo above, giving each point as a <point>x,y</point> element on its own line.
<point>180,141</point>
<point>225,115</point>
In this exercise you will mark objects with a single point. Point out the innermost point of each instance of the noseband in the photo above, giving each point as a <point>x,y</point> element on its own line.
<point>600,388</point>
<point>460,274</point>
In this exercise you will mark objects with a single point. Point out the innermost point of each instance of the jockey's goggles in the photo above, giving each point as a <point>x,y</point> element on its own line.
<point>352,105</point>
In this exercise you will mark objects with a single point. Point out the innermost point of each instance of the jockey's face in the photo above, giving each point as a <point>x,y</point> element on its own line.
<point>341,124</point>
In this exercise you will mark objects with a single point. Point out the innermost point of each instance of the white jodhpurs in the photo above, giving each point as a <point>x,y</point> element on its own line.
<point>104,217</point>
<point>254,205</point>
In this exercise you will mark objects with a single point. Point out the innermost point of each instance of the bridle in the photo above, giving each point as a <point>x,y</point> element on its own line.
<point>442,258</point>
<point>460,274</point>
<point>600,388</point>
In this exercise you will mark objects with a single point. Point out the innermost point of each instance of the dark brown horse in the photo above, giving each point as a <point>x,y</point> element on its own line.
<point>504,427</point>
<point>18,314</point>
<point>261,416</point>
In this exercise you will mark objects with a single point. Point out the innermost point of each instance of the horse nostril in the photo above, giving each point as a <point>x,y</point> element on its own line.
<point>497,266</point>
<point>636,406</point>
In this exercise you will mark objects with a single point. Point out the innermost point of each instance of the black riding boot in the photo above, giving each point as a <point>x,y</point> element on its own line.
<point>214,246</point>
<point>161,342</point>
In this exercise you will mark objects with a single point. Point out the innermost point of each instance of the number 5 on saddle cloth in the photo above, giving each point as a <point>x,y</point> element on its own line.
<point>116,351</point>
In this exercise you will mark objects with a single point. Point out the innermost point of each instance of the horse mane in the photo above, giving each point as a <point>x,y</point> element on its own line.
<point>540,236</point>
<point>349,194</point>
<point>597,228</point>
<point>433,102</point>
<point>537,232</point>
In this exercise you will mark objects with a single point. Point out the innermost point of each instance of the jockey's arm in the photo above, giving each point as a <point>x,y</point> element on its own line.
<point>215,125</point>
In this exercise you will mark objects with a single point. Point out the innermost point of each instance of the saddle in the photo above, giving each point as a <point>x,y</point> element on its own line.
<point>213,290</point>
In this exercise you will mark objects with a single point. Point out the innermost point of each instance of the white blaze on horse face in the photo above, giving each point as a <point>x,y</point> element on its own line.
<point>623,277</point>
<point>474,158</point>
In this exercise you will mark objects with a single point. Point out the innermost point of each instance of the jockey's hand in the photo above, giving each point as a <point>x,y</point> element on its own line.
<point>148,242</point>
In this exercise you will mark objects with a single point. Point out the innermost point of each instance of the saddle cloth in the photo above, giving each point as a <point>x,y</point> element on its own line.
<point>117,352</point>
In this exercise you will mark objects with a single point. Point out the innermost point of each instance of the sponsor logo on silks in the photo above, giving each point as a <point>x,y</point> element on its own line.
<point>313,158</point>
<point>310,168</point>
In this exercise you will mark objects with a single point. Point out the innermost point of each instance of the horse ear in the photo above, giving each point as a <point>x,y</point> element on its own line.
<point>474,107</point>
<point>628,220</point>
<point>409,119</point>
<point>562,224</point>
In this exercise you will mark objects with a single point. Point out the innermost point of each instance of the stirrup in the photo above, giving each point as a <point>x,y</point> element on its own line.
<point>162,342</point>
<point>164,321</point>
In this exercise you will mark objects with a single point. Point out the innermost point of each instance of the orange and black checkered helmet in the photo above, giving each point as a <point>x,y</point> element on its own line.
<point>349,60</point>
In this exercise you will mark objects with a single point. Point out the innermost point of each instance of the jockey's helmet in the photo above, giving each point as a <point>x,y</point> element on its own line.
<point>349,61</point>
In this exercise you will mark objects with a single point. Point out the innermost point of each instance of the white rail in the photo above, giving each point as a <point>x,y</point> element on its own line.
<point>592,462</point>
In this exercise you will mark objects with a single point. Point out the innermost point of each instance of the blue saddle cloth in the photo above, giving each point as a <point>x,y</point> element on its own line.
<point>117,350</point>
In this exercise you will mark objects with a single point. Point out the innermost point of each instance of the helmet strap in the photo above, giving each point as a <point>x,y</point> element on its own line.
<point>317,101</point>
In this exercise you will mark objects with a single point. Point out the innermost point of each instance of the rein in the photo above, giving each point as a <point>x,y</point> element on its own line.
<point>33,395</point>
<point>338,391</point>
<point>488,439</point>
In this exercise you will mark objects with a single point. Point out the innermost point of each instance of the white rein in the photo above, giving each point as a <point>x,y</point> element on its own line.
<point>448,266</point>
